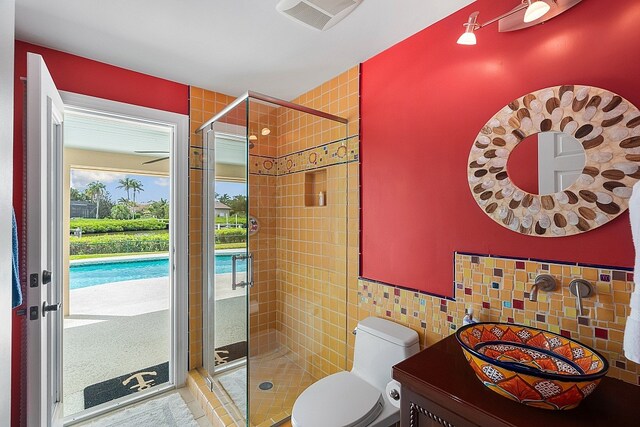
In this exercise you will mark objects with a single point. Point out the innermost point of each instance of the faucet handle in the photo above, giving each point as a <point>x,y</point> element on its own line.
<point>546,282</point>
<point>581,289</point>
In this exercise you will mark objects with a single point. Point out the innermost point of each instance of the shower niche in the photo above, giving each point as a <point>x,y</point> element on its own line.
<point>275,302</point>
<point>315,188</point>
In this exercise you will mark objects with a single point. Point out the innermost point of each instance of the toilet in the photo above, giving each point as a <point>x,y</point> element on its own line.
<point>357,398</point>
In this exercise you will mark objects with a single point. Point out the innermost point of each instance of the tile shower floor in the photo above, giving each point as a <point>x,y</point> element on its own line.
<point>268,407</point>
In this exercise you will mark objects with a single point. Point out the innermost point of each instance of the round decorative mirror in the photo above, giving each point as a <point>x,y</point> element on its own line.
<point>558,161</point>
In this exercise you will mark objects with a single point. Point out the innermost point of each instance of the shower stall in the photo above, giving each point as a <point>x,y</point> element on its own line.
<point>275,227</point>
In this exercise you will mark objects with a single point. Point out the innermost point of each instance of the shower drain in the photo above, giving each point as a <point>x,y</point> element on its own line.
<point>267,385</point>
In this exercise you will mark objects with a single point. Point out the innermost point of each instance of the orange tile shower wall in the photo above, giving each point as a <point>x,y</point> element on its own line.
<point>204,104</point>
<point>498,290</point>
<point>317,247</point>
<point>263,118</point>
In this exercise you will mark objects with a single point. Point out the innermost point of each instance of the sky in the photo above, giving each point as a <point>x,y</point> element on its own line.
<point>155,187</point>
<point>231,188</point>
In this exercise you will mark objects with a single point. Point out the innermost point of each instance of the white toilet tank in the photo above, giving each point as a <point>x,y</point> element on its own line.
<point>380,344</point>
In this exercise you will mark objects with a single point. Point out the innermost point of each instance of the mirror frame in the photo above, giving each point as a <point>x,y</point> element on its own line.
<point>607,126</point>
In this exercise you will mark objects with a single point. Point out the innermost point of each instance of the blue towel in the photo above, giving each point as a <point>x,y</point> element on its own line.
<point>17,290</point>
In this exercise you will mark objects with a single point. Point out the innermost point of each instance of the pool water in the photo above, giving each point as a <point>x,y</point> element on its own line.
<point>85,275</point>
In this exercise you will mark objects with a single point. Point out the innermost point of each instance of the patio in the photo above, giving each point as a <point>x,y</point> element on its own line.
<point>122,327</point>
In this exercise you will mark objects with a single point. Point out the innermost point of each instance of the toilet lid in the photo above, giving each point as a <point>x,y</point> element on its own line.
<point>339,400</point>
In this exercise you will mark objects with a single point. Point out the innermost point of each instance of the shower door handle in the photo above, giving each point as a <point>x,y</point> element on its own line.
<point>234,271</point>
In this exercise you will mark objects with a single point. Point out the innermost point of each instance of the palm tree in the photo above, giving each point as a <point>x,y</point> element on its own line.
<point>95,190</point>
<point>126,184</point>
<point>136,187</point>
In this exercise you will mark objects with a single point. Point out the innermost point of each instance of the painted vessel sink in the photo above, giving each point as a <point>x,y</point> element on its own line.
<point>532,366</point>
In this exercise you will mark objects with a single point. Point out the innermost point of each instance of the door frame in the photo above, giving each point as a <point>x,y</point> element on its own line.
<point>179,203</point>
<point>7,31</point>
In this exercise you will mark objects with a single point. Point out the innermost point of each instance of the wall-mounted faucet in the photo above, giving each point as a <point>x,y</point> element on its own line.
<point>581,289</point>
<point>544,282</point>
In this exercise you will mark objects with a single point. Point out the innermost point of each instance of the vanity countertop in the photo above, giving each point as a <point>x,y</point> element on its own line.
<point>441,375</point>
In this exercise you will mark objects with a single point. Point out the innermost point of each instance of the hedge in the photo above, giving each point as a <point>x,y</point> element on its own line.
<point>127,243</point>
<point>231,235</point>
<point>113,244</point>
<point>90,226</point>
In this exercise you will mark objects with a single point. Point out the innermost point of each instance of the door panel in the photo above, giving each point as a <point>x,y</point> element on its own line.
<point>45,114</point>
<point>561,159</point>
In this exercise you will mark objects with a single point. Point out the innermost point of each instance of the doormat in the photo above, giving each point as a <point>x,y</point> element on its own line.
<point>231,352</point>
<point>124,385</point>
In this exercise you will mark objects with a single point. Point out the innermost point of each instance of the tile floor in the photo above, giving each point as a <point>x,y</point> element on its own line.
<point>192,404</point>
<point>194,407</point>
<point>289,380</point>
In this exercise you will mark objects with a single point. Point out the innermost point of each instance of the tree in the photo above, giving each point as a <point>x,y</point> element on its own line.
<point>238,205</point>
<point>126,185</point>
<point>136,187</point>
<point>77,195</point>
<point>105,205</point>
<point>95,191</point>
<point>159,209</point>
<point>120,211</point>
<point>225,198</point>
<point>126,204</point>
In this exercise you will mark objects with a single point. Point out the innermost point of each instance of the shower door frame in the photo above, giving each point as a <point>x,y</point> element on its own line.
<point>208,273</point>
<point>205,129</point>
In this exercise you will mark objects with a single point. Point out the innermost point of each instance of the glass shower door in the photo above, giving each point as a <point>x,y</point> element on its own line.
<point>228,263</point>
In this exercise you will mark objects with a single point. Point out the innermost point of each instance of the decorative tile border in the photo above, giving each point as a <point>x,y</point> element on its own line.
<point>497,288</point>
<point>263,165</point>
<point>337,152</point>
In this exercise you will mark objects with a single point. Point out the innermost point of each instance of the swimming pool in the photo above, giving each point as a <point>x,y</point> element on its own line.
<point>90,274</point>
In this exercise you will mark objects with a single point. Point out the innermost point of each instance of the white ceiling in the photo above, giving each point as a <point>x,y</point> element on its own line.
<point>225,45</point>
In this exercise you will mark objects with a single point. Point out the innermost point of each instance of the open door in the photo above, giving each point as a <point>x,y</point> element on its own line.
<point>45,113</point>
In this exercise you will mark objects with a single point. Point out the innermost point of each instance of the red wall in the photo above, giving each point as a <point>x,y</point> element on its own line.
<point>84,76</point>
<point>423,102</point>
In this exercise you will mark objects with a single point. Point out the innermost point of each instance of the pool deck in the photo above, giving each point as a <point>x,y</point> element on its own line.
<point>121,327</point>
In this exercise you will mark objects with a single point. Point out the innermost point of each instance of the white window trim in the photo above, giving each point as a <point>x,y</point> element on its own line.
<point>179,214</point>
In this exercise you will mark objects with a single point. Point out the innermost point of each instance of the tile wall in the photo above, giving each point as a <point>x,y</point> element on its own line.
<point>497,288</point>
<point>318,246</point>
<point>263,244</point>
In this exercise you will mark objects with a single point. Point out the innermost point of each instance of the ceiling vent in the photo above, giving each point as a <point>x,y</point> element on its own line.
<point>318,14</point>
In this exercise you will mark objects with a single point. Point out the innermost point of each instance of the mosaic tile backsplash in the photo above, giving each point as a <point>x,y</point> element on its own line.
<point>497,289</point>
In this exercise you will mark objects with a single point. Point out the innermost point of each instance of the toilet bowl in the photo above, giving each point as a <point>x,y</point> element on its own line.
<point>357,398</point>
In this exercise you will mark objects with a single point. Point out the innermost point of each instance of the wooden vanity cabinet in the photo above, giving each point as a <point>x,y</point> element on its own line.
<point>440,389</point>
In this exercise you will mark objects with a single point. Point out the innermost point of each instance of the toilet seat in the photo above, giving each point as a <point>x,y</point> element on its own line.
<point>339,400</point>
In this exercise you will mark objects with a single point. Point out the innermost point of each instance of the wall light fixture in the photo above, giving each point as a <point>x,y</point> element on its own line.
<point>526,14</point>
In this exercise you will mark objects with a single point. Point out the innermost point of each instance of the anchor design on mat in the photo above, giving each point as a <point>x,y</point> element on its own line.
<point>142,383</point>
<point>221,359</point>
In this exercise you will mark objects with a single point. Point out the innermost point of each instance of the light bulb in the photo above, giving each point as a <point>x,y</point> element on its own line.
<point>253,138</point>
<point>265,131</point>
<point>536,10</point>
<point>467,38</point>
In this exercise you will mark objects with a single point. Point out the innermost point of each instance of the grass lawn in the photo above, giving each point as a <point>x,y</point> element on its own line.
<point>87,256</point>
